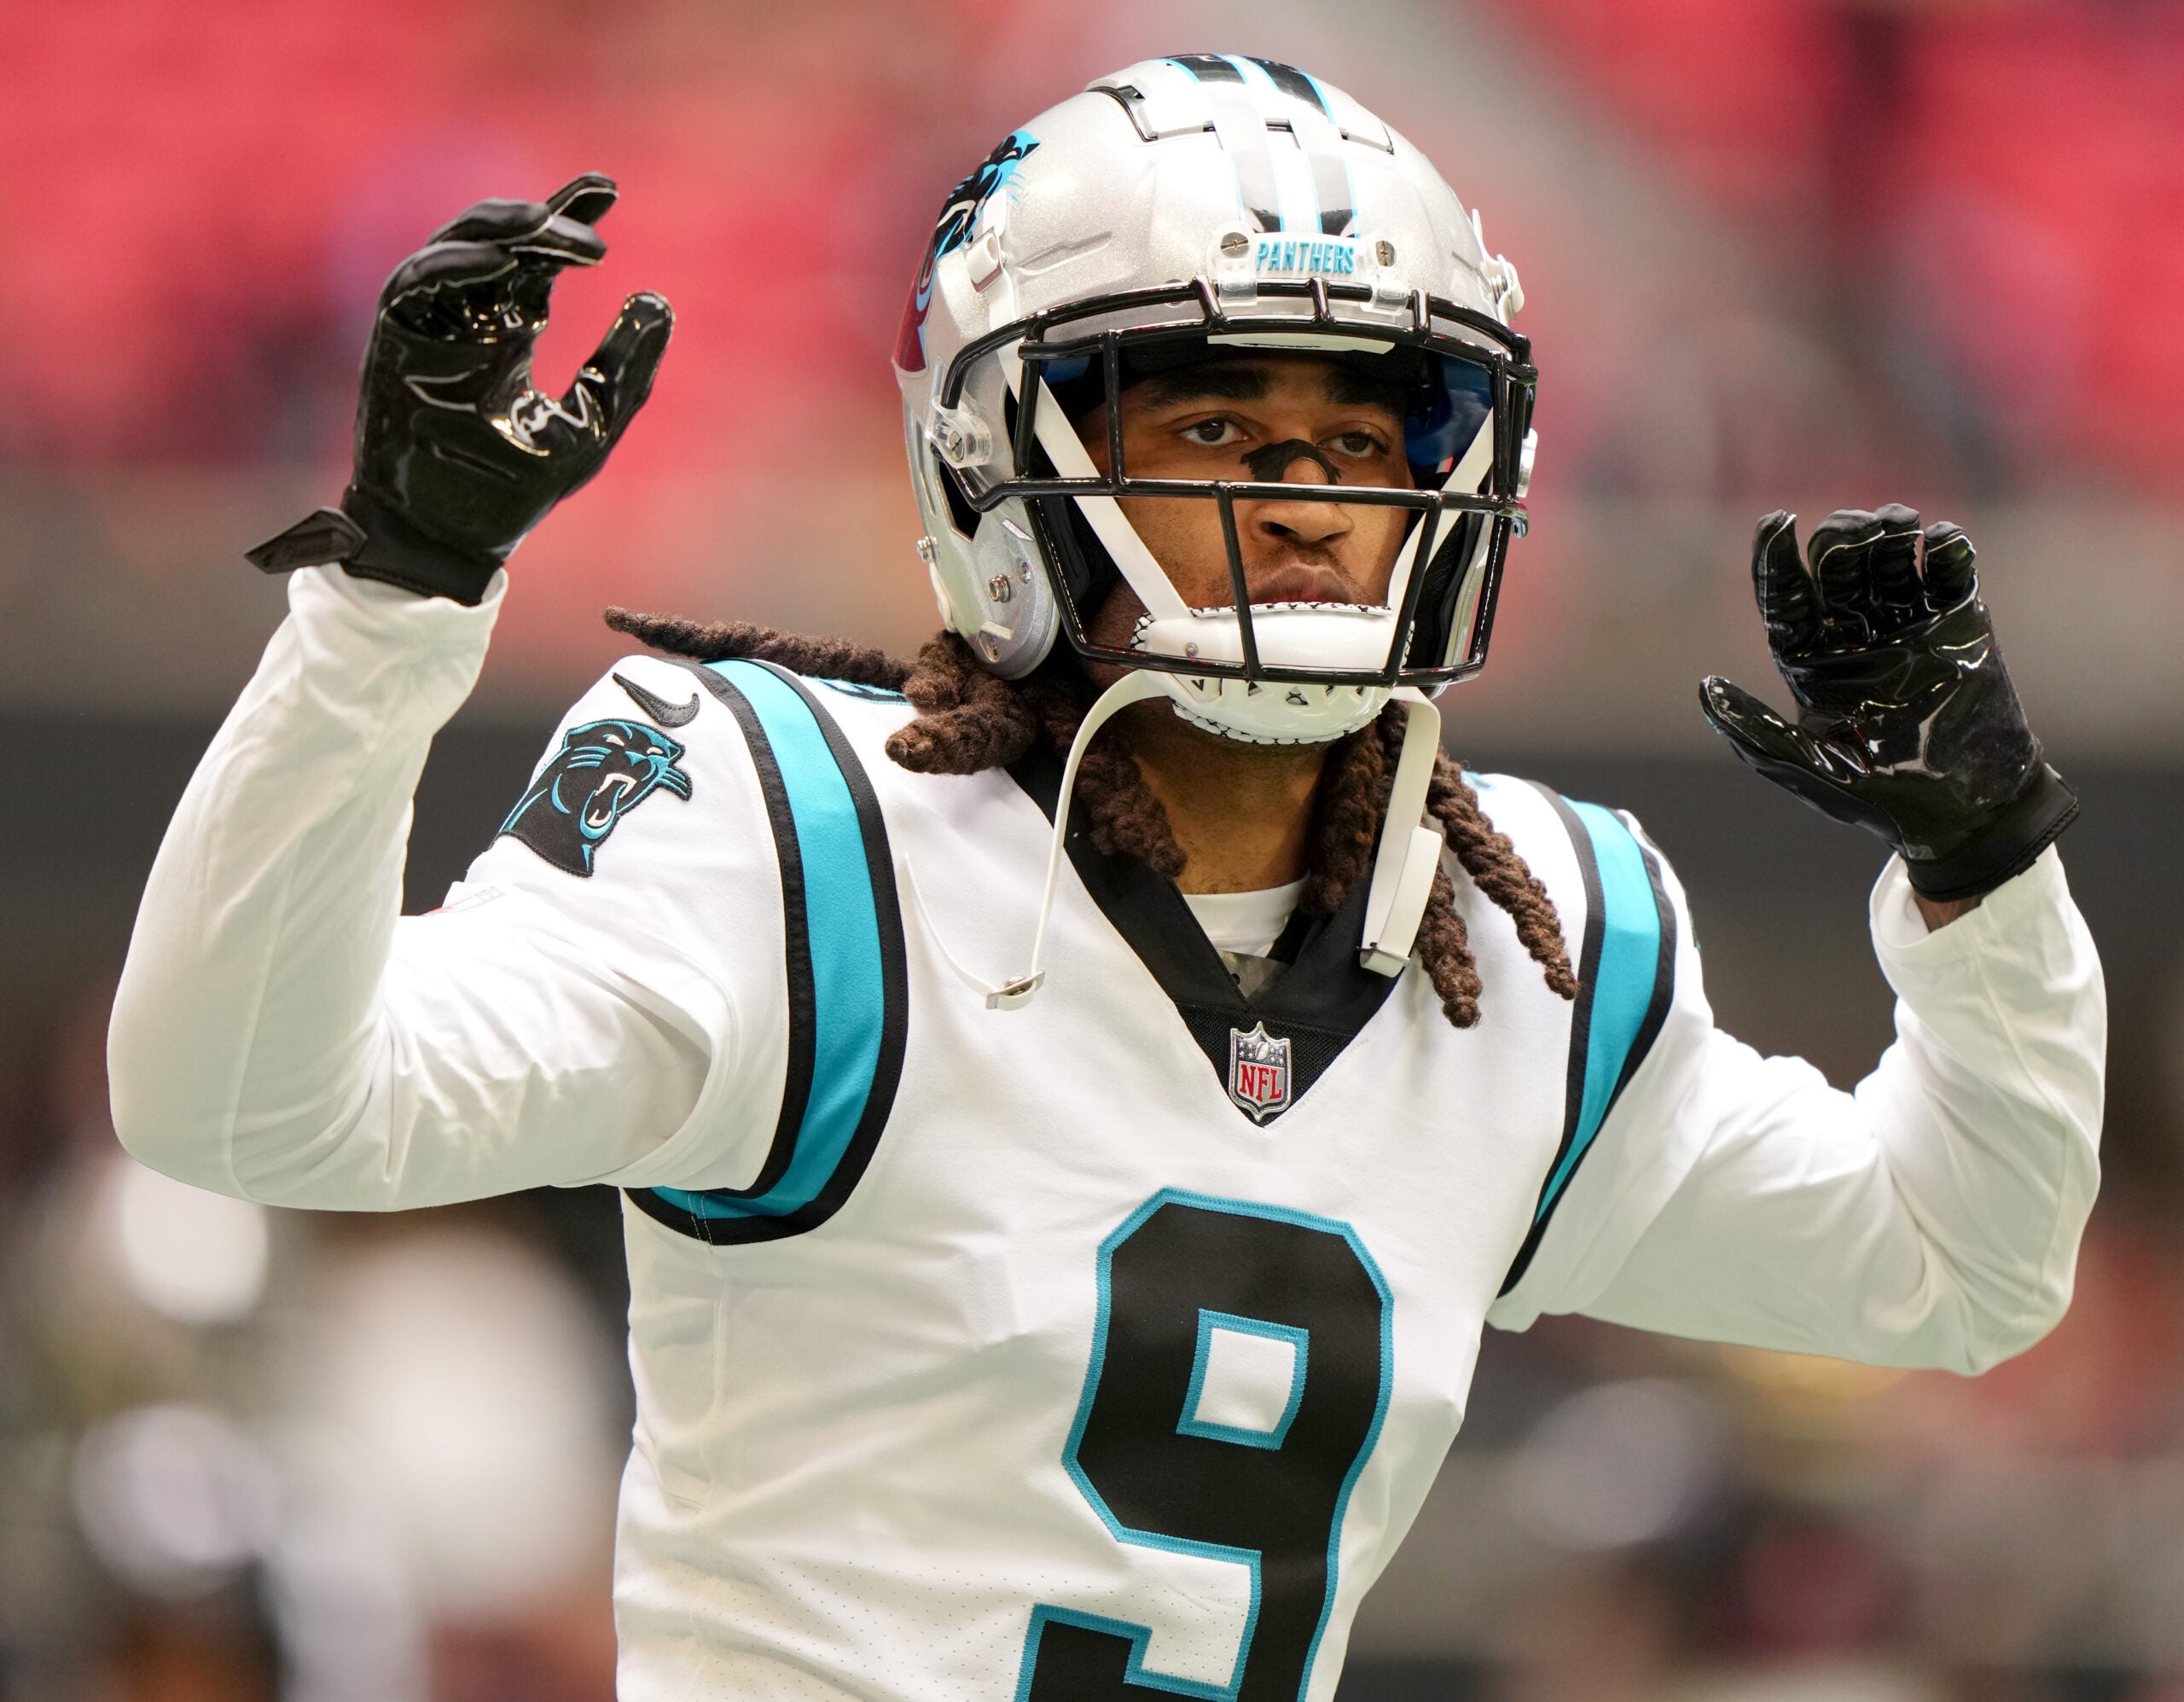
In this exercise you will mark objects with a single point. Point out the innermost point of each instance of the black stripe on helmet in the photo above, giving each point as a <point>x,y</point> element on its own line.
<point>1207,67</point>
<point>1331,180</point>
<point>1315,133</point>
<point>1242,129</point>
<point>1291,82</point>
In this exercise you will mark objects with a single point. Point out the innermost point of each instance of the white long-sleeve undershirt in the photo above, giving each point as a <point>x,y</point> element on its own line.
<point>280,1033</point>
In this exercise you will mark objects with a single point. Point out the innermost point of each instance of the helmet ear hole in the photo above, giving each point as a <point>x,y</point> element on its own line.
<point>960,513</point>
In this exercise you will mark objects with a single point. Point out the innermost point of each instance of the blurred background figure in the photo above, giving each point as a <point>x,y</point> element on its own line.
<point>1796,253</point>
<point>248,1454</point>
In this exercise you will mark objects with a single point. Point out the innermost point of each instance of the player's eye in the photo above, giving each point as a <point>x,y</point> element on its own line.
<point>1216,433</point>
<point>1362,445</point>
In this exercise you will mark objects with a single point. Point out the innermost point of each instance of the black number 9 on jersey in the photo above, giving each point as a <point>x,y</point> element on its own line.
<point>1240,1367</point>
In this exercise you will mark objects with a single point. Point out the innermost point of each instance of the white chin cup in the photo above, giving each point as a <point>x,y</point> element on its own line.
<point>1353,637</point>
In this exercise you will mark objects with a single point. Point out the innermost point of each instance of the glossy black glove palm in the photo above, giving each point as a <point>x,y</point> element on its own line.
<point>1908,724</point>
<point>457,455</point>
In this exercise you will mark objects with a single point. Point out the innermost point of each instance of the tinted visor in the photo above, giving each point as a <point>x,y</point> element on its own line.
<point>1442,400</point>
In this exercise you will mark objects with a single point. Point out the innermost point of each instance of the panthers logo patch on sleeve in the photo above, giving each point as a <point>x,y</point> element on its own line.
<point>603,771</point>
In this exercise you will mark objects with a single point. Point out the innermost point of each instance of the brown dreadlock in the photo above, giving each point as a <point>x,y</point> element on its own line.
<point>969,721</point>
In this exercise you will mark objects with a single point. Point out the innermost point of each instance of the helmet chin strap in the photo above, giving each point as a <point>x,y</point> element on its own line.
<point>1402,868</point>
<point>1133,561</point>
<point>1133,686</point>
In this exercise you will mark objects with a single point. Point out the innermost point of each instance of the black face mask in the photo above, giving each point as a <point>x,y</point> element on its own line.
<point>1460,382</point>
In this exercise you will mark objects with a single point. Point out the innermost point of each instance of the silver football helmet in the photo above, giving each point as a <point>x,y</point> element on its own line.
<point>1176,210</point>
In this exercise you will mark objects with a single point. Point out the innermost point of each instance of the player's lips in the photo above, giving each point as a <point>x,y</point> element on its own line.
<point>1299,581</point>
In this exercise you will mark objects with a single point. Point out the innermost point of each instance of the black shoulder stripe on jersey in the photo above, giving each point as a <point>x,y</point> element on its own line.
<point>1581,1021</point>
<point>846,970</point>
<point>1636,927</point>
<point>1320,1004</point>
<point>796,1087</point>
<point>1657,1007</point>
<point>894,973</point>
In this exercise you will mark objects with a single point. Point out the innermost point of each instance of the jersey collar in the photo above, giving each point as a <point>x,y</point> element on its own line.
<point>1319,1005</point>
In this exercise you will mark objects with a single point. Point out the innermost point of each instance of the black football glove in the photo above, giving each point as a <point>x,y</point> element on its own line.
<point>1908,724</point>
<point>457,456</point>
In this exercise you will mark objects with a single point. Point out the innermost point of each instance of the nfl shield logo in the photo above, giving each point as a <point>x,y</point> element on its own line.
<point>1259,1071</point>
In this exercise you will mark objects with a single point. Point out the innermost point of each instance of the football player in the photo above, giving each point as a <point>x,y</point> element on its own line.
<point>1079,1096</point>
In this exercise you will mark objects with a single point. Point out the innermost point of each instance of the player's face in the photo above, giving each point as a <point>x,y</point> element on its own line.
<point>1215,421</point>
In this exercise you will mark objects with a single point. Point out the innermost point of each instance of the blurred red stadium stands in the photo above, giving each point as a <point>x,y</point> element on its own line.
<point>202,202</point>
<point>2002,183</point>
<point>202,199</point>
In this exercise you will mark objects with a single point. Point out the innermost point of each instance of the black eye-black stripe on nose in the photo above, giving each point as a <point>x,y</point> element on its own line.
<point>1269,464</point>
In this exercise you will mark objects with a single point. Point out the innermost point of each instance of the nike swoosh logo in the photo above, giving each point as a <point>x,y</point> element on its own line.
<point>667,714</point>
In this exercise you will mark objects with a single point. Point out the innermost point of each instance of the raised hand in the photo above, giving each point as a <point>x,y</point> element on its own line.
<point>457,455</point>
<point>1908,724</point>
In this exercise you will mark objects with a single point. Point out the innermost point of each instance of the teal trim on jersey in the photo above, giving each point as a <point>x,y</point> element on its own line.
<point>1209,1320</point>
<point>1624,985</point>
<point>843,923</point>
<point>1140,1635</point>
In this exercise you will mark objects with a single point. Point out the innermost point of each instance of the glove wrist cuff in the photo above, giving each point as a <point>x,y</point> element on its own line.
<point>396,551</point>
<point>2004,847</point>
<point>372,541</point>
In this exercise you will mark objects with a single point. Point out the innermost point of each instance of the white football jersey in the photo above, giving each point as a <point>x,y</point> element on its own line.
<point>1105,1346</point>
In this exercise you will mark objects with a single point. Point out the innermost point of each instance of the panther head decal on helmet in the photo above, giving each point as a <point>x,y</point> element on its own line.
<point>949,232</point>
